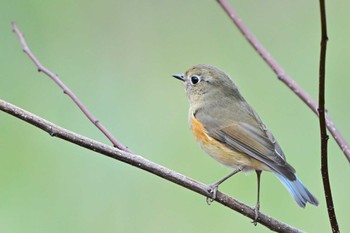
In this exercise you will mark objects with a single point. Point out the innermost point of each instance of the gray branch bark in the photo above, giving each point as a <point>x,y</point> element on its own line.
<point>142,163</point>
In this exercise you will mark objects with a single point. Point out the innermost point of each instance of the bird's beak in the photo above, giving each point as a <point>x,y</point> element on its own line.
<point>179,77</point>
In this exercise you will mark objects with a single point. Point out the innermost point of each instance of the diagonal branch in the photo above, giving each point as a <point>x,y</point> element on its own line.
<point>278,70</point>
<point>322,115</point>
<point>66,90</point>
<point>142,163</point>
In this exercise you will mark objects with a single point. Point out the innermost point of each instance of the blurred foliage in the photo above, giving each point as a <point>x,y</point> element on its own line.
<point>118,57</point>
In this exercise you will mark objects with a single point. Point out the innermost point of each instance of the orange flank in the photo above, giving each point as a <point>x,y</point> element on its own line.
<point>199,131</point>
<point>221,152</point>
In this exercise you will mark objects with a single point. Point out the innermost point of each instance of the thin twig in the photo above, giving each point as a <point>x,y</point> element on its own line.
<point>142,163</point>
<point>322,115</point>
<point>278,70</point>
<point>66,90</point>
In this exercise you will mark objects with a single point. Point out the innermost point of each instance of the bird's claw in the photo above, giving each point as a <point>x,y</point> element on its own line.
<point>256,217</point>
<point>213,188</point>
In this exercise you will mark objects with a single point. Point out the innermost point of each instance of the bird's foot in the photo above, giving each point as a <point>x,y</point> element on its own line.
<point>213,188</point>
<point>256,211</point>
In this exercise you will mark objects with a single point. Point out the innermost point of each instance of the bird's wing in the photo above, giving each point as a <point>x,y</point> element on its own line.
<point>252,140</point>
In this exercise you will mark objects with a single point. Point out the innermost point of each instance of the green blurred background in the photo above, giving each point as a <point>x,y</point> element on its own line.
<point>118,57</point>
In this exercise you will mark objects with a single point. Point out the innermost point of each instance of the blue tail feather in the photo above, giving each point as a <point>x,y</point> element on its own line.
<point>298,191</point>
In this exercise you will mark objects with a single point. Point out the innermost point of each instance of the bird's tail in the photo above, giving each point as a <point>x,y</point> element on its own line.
<point>299,192</point>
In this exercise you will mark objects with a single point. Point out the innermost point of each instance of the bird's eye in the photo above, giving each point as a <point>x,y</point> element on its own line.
<point>195,80</point>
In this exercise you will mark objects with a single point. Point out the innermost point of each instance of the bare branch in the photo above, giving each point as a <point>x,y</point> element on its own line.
<point>278,70</point>
<point>322,116</point>
<point>142,163</point>
<point>66,90</point>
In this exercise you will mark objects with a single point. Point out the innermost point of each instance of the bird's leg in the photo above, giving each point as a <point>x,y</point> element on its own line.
<point>257,206</point>
<point>214,187</point>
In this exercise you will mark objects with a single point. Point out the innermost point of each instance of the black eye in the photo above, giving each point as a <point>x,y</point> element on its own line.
<point>195,79</point>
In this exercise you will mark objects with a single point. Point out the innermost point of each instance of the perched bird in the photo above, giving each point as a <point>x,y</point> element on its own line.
<point>231,132</point>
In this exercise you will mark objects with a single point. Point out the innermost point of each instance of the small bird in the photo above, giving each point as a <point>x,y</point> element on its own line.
<point>231,132</point>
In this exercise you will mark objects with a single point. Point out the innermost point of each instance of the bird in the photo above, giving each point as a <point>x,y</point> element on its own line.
<point>230,131</point>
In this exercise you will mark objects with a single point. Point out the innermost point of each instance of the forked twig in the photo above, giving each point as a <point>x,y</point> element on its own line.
<point>66,90</point>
